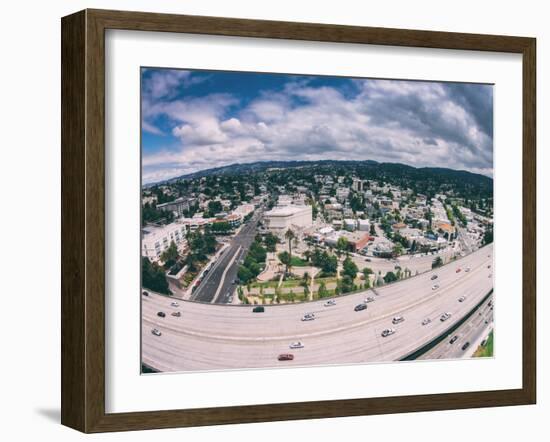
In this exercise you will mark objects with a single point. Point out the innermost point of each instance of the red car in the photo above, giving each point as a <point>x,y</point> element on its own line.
<point>286,357</point>
<point>458,270</point>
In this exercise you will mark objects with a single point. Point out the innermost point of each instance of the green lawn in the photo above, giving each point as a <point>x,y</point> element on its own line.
<point>487,350</point>
<point>298,262</point>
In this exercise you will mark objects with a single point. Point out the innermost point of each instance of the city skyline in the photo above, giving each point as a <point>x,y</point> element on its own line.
<point>197,120</point>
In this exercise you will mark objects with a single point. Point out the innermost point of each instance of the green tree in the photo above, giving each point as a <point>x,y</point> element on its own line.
<point>347,284</point>
<point>244,274</point>
<point>270,241</point>
<point>437,262</point>
<point>285,259</point>
<point>214,207</point>
<point>322,290</point>
<point>153,277</point>
<point>390,277</point>
<point>170,255</point>
<point>350,268</point>
<point>341,245</point>
<point>289,235</point>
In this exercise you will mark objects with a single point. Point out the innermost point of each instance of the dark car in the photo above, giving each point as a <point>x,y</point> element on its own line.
<point>285,357</point>
<point>433,277</point>
<point>465,346</point>
<point>145,293</point>
<point>360,307</point>
<point>161,314</point>
<point>259,309</point>
<point>453,339</point>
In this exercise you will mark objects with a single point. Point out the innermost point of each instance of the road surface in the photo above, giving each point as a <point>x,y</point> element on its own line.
<point>218,285</point>
<point>214,337</point>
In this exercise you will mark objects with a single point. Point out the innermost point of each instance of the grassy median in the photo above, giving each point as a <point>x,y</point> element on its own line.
<point>485,351</point>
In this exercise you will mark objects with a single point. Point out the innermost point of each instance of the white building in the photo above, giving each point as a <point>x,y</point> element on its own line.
<point>350,224</point>
<point>363,225</point>
<point>279,219</point>
<point>155,240</point>
<point>244,209</point>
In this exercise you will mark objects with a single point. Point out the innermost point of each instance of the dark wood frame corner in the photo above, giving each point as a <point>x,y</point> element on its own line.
<point>83,216</point>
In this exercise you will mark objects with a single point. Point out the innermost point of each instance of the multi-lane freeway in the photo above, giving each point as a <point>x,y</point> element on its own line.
<point>218,285</point>
<point>214,336</point>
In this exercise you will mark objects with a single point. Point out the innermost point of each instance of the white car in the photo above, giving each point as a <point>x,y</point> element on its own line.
<point>369,299</point>
<point>330,303</point>
<point>308,317</point>
<point>175,304</point>
<point>387,332</point>
<point>467,269</point>
<point>462,299</point>
<point>426,321</point>
<point>445,316</point>
<point>156,332</point>
<point>296,344</point>
<point>435,286</point>
<point>397,319</point>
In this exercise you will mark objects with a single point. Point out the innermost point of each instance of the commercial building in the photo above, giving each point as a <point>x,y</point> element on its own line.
<point>356,240</point>
<point>155,240</point>
<point>178,206</point>
<point>280,219</point>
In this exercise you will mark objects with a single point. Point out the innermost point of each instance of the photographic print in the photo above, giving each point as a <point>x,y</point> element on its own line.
<point>300,220</point>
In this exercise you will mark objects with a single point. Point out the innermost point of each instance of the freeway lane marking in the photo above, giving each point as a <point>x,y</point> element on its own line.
<point>222,279</point>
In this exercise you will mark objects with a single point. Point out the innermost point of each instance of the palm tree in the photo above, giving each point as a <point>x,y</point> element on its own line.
<point>289,235</point>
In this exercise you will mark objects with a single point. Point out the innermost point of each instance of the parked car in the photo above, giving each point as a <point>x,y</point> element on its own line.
<point>161,314</point>
<point>258,309</point>
<point>176,314</point>
<point>397,319</point>
<point>285,357</point>
<point>426,321</point>
<point>156,332</point>
<point>387,332</point>
<point>360,307</point>
<point>296,344</point>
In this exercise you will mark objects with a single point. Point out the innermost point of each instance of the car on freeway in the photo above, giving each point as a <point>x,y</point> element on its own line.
<point>435,286</point>
<point>285,357</point>
<point>176,314</point>
<point>433,277</point>
<point>308,317</point>
<point>330,303</point>
<point>397,319</point>
<point>360,307</point>
<point>467,269</point>
<point>369,299</point>
<point>458,270</point>
<point>174,304</point>
<point>453,339</point>
<point>161,314</point>
<point>156,332</point>
<point>387,332</point>
<point>258,309</point>
<point>465,346</point>
<point>368,259</point>
<point>445,316</point>
<point>426,321</point>
<point>296,344</point>
<point>489,266</point>
<point>462,299</point>
<point>145,293</point>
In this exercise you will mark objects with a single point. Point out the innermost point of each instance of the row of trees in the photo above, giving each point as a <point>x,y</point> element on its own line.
<point>253,264</point>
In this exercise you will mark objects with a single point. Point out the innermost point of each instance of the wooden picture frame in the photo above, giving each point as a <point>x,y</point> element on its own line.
<point>83,220</point>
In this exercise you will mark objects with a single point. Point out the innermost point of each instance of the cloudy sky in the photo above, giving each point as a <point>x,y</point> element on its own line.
<point>195,120</point>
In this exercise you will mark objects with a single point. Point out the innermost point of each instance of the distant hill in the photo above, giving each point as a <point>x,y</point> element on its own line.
<point>427,180</point>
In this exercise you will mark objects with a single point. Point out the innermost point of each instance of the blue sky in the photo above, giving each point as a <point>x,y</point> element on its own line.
<point>194,120</point>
